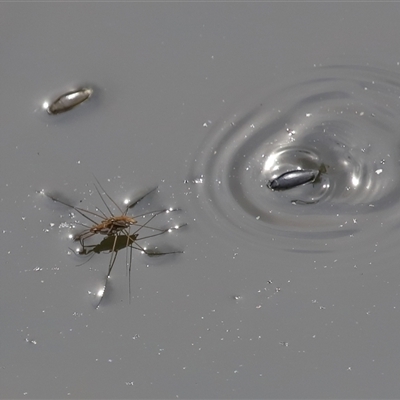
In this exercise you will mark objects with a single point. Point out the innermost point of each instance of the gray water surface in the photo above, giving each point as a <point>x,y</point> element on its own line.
<point>277,294</point>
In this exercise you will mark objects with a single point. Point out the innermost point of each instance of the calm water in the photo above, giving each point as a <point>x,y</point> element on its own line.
<point>277,294</point>
<point>268,281</point>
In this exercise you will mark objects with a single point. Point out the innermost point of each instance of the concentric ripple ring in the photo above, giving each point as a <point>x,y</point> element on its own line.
<point>341,120</point>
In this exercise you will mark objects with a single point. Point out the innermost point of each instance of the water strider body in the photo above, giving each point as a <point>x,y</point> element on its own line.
<point>117,229</point>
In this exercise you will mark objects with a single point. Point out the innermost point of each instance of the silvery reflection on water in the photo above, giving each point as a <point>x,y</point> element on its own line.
<point>342,117</point>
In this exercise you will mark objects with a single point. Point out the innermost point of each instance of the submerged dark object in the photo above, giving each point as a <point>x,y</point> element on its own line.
<point>292,179</point>
<point>69,100</point>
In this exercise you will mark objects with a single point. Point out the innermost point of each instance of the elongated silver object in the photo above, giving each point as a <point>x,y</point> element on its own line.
<point>292,179</point>
<point>70,100</point>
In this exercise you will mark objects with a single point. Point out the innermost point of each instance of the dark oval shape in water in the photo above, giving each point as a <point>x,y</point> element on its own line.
<point>292,179</point>
<point>69,100</point>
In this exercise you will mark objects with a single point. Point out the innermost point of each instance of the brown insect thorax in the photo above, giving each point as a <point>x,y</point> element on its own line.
<point>113,225</point>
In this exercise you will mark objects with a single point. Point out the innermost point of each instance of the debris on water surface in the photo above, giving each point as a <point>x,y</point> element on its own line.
<point>68,101</point>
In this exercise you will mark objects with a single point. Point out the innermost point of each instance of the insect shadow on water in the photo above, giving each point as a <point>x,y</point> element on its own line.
<point>117,229</point>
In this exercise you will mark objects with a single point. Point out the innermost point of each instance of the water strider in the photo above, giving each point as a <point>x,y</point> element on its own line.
<point>117,229</point>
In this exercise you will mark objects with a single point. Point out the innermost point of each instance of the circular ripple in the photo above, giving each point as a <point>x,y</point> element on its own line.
<point>341,120</point>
